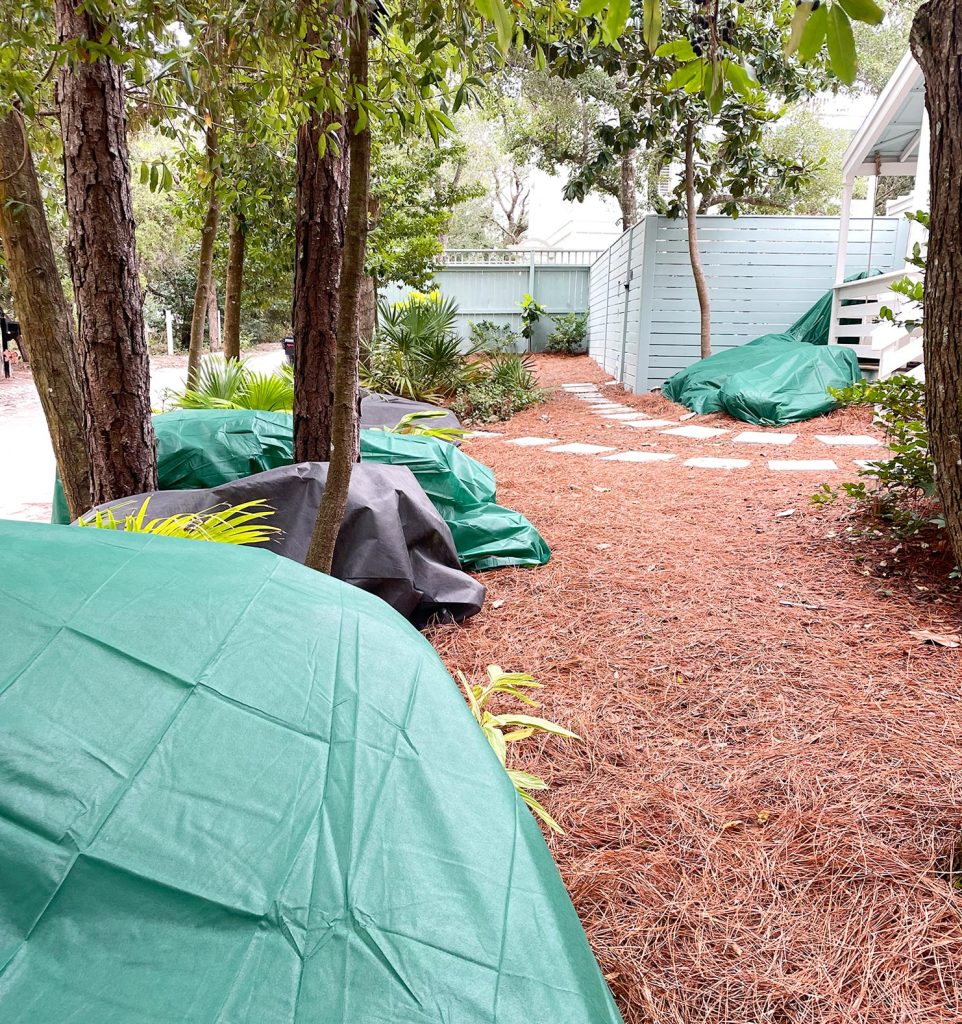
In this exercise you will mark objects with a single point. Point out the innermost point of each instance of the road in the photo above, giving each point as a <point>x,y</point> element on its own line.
<point>26,458</point>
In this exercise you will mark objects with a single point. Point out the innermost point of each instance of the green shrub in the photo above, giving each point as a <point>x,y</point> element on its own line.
<point>901,487</point>
<point>228,384</point>
<point>416,352</point>
<point>531,313</point>
<point>570,334</point>
<point>504,385</point>
<point>493,339</point>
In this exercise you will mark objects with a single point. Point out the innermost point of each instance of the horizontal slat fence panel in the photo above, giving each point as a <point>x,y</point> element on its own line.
<point>763,273</point>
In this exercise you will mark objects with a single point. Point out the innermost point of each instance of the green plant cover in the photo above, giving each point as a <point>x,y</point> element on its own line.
<point>813,325</point>
<point>210,815</point>
<point>207,447</point>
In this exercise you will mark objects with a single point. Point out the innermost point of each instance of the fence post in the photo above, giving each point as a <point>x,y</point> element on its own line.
<point>624,308</point>
<point>646,301</point>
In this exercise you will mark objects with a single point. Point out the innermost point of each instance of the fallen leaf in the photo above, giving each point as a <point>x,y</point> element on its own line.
<point>602,547</point>
<point>731,824</point>
<point>595,487</point>
<point>785,514</point>
<point>497,604</point>
<point>762,817</point>
<point>941,639</point>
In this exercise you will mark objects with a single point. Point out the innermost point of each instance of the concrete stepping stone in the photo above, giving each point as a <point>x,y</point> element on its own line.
<point>639,457</point>
<point>763,437</point>
<point>802,466</point>
<point>620,415</point>
<point>531,442</point>
<point>869,463</point>
<point>484,433</point>
<point>577,448</point>
<point>647,424</point>
<point>865,440</point>
<point>706,462</point>
<point>699,433</point>
<point>579,387</point>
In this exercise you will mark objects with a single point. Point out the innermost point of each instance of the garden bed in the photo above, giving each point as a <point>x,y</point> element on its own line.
<point>764,820</point>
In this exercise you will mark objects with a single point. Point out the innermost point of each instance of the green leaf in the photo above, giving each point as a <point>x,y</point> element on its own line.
<point>616,19</point>
<point>814,34</point>
<point>680,49</point>
<point>863,10</point>
<point>684,75</point>
<point>651,25</point>
<point>739,79</point>
<point>841,44</point>
<point>588,7</point>
<point>799,20</point>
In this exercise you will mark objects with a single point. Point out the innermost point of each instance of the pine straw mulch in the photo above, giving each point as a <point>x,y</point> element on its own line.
<point>764,818</point>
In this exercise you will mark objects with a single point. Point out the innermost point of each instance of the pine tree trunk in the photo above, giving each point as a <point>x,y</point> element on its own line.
<point>234,287</point>
<point>321,212</point>
<point>344,429</point>
<point>213,316</point>
<point>205,263</point>
<point>701,285</point>
<point>46,322</point>
<point>367,313</point>
<point>937,46</point>
<point>114,364</point>
<point>628,190</point>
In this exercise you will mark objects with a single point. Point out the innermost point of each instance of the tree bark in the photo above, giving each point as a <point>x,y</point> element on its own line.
<point>46,322</point>
<point>937,45</point>
<point>345,450</point>
<point>701,285</point>
<point>205,263</point>
<point>234,286</point>
<point>114,364</point>
<point>628,190</point>
<point>321,213</point>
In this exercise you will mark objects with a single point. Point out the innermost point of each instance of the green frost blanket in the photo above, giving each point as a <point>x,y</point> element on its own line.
<point>236,790</point>
<point>204,448</point>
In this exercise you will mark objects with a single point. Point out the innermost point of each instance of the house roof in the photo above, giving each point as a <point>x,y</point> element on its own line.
<point>889,136</point>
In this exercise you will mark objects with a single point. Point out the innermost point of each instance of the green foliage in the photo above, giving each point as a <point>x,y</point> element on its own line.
<point>417,423</point>
<point>504,385</point>
<point>531,313</point>
<point>570,334</point>
<point>230,524</point>
<point>900,488</point>
<point>227,384</point>
<point>505,728</point>
<point>493,339</point>
<point>416,352</point>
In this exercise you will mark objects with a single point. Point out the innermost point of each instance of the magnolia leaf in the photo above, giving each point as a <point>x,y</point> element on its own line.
<point>588,7</point>
<point>680,49</point>
<point>685,75</point>
<point>616,19</point>
<point>715,88</point>
<point>814,34</point>
<point>841,44</point>
<point>651,25</point>
<point>863,10</point>
<point>799,20</point>
<point>739,79</point>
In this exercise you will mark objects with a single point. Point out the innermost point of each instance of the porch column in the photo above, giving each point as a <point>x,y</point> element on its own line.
<point>848,186</point>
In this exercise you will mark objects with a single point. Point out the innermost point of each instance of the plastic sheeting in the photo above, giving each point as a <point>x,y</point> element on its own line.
<point>388,411</point>
<point>204,448</point>
<point>813,325</point>
<point>235,790</point>
<point>392,541</point>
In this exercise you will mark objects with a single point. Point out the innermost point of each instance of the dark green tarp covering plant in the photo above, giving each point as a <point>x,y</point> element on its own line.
<point>775,379</point>
<point>207,815</point>
<point>205,447</point>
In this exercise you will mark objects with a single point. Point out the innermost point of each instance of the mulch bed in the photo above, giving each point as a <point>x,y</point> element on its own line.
<point>764,818</point>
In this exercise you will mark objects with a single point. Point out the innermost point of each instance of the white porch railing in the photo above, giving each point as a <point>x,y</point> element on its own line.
<point>855,322</point>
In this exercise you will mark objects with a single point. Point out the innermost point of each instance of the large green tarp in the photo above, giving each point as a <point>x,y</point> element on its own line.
<point>205,448</point>
<point>210,817</point>
<point>775,379</point>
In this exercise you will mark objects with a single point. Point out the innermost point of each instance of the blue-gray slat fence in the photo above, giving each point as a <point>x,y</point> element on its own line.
<point>763,273</point>
<point>490,284</point>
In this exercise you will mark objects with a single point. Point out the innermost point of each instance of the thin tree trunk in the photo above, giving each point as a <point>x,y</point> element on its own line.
<point>205,263</point>
<point>344,430</point>
<point>46,321</point>
<point>213,316</point>
<point>367,314</point>
<point>628,190</point>
<point>937,45</point>
<point>234,286</point>
<point>701,285</point>
<point>114,365</point>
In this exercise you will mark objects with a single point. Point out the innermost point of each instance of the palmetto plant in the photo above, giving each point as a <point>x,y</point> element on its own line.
<point>227,524</point>
<point>502,729</point>
<point>417,352</point>
<point>228,384</point>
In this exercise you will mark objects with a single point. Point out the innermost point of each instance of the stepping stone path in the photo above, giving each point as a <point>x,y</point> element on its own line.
<point>619,414</point>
